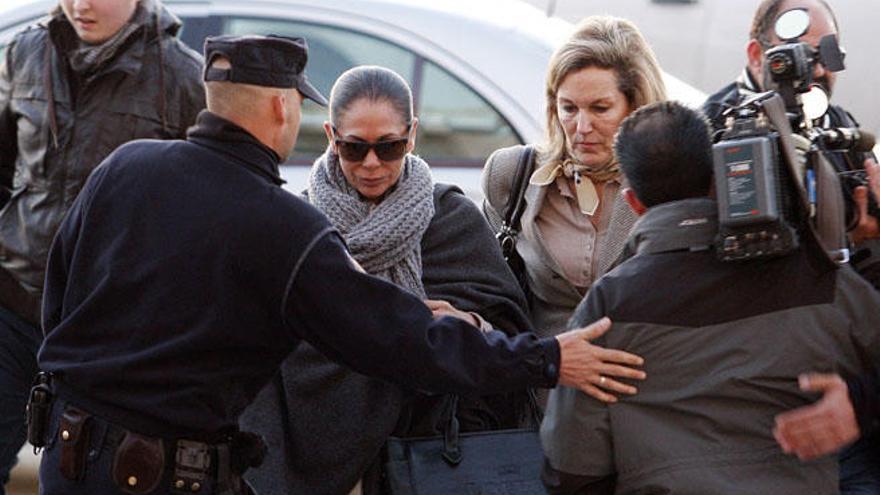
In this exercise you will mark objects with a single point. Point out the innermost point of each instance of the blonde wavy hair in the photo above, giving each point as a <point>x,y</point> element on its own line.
<point>608,43</point>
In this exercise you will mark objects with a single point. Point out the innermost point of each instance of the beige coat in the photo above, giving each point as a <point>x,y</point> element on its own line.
<point>553,298</point>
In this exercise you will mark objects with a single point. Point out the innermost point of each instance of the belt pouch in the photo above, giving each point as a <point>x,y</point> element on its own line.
<point>138,463</point>
<point>74,430</point>
<point>38,408</point>
<point>192,466</point>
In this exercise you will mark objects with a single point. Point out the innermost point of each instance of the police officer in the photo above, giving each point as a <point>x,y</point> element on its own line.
<point>91,76</point>
<point>184,274</point>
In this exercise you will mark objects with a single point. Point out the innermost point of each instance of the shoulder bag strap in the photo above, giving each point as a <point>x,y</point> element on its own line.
<point>516,202</point>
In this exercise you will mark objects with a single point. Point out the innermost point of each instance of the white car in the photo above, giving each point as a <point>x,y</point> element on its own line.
<point>476,67</point>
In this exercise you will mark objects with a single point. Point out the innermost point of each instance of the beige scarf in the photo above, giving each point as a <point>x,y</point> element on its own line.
<point>587,196</point>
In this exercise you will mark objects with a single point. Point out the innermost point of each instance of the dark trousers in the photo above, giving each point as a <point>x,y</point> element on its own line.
<point>97,478</point>
<point>19,342</point>
<point>860,467</point>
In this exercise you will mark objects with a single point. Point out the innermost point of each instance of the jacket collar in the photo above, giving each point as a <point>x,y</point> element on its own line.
<point>689,224</point>
<point>223,136</point>
<point>746,83</point>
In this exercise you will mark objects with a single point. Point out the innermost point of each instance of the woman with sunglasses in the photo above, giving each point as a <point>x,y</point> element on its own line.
<point>402,227</point>
<point>575,222</point>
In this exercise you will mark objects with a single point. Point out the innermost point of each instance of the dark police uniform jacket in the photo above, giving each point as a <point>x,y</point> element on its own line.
<point>723,344</point>
<point>184,274</point>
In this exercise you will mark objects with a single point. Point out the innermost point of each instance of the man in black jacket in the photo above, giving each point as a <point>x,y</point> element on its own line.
<point>184,274</point>
<point>863,227</point>
<point>862,460</point>
<point>74,86</point>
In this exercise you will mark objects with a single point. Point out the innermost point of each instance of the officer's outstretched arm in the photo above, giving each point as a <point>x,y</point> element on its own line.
<point>380,330</point>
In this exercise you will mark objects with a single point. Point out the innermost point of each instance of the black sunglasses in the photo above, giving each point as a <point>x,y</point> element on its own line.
<point>355,151</point>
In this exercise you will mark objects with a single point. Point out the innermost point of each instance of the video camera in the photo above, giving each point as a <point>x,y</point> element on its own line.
<point>772,180</point>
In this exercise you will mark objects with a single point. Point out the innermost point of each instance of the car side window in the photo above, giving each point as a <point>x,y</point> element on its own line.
<point>457,126</point>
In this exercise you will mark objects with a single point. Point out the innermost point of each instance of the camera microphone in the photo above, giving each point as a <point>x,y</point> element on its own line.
<point>847,138</point>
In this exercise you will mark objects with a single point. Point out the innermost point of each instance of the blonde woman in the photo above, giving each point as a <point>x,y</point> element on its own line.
<point>575,222</point>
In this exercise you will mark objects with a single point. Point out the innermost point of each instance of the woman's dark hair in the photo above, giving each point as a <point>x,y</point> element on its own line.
<point>665,151</point>
<point>374,83</point>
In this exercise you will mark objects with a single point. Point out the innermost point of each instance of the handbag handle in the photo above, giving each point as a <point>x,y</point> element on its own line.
<point>451,433</point>
<point>515,207</point>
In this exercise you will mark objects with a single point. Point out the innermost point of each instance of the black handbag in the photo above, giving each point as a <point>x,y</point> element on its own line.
<point>487,462</point>
<point>510,224</point>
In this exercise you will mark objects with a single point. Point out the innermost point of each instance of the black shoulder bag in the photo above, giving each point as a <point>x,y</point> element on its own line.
<point>513,211</point>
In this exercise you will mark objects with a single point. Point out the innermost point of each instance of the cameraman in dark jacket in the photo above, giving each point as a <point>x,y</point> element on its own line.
<point>860,464</point>
<point>863,227</point>
<point>93,75</point>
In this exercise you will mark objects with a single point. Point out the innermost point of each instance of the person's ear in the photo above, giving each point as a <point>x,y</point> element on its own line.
<point>755,53</point>
<point>328,130</point>
<point>279,109</point>
<point>633,201</point>
<point>413,132</point>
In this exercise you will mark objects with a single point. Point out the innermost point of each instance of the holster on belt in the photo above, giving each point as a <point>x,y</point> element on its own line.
<point>74,431</point>
<point>139,463</point>
<point>38,407</point>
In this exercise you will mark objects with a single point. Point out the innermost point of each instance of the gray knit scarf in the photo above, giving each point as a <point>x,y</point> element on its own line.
<point>384,238</point>
<point>87,59</point>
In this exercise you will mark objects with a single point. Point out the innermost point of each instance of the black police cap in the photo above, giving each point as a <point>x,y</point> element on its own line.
<point>273,61</point>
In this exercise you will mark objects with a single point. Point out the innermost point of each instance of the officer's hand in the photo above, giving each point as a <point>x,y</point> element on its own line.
<point>590,368</point>
<point>443,308</point>
<point>822,428</point>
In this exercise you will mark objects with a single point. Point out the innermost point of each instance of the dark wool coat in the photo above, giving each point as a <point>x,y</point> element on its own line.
<point>326,425</point>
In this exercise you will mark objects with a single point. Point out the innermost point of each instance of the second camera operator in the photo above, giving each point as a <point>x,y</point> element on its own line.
<point>863,226</point>
<point>790,62</point>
